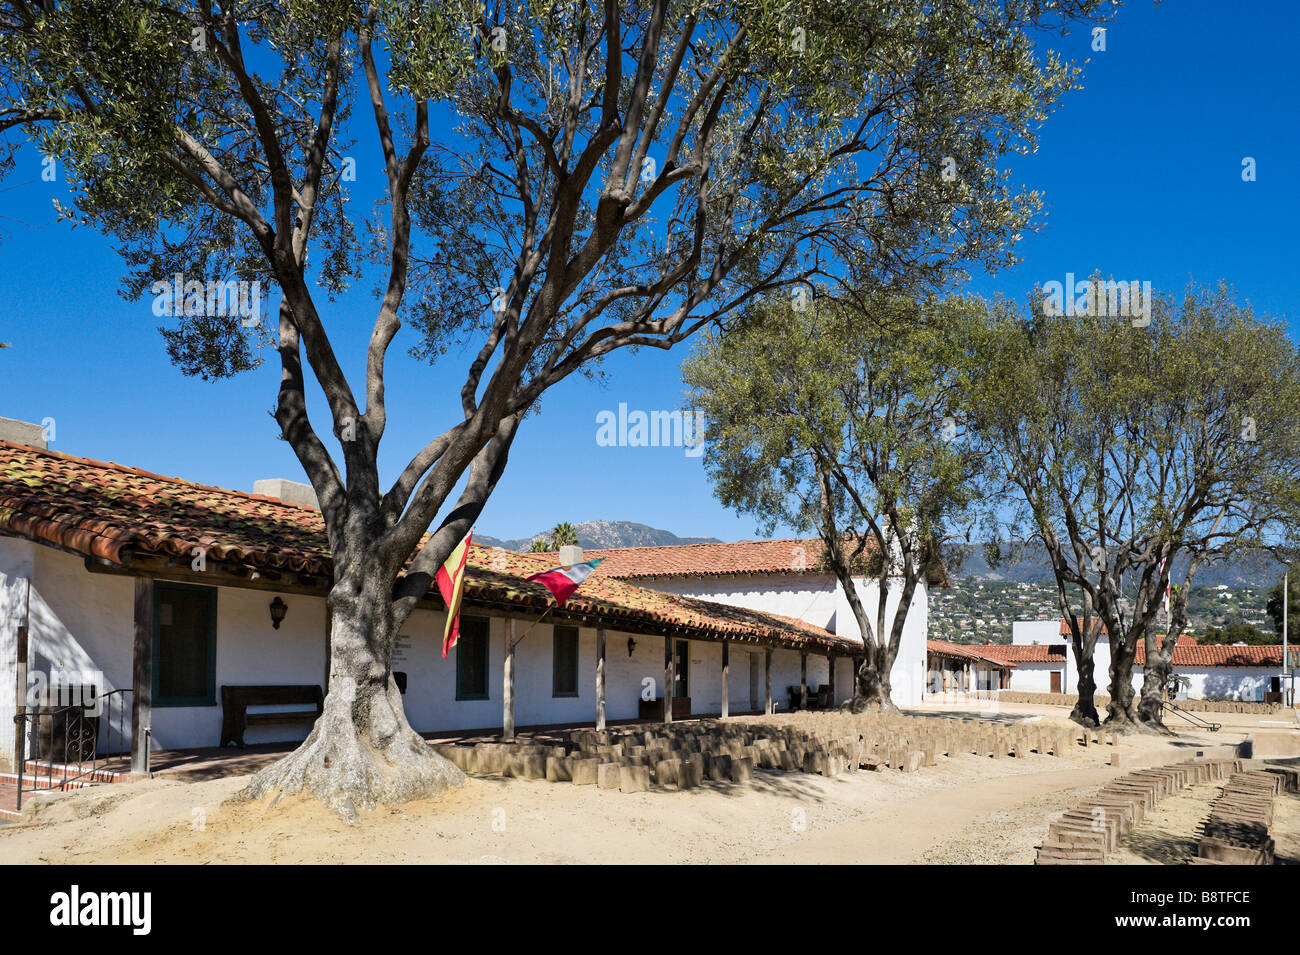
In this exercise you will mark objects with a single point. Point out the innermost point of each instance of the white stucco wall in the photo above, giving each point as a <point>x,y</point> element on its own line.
<point>83,622</point>
<point>809,597</point>
<point>1206,683</point>
<point>1036,677</point>
<point>16,560</point>
<point>907,678</point>
<point>1030,632</point>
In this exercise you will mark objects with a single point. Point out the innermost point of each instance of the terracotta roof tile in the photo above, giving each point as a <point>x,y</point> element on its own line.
<point>109,511</point>
<point>786,555</point>
<point>1024,653</point>
<point>966,652</point>
<point>1225,655</point>
<point>790,555</point>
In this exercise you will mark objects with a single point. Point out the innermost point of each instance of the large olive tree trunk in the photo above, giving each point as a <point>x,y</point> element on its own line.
<point>871,687</point>
<point>362,751</point>
<point>1121,712</point>
<point>1150,706</point>
<point>1085,706</point>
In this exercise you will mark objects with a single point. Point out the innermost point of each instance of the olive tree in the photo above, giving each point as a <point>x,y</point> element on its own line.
<point>561,179</point>
<point>840,420</point>
<point>1140,450</point>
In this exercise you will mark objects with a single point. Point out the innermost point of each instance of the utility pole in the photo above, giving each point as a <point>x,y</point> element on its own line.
<point>1287,695</point>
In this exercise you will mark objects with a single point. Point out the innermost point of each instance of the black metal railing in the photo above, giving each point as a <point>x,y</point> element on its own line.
<point>80,736</point>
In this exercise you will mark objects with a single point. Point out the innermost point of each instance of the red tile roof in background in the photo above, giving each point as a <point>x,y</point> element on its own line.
<point>966,652</point>
<point>109,511</point>
<point>790,555</point>
<point>1220,655</point>
<point>1184,639</point>
<point>1024,653</point>
<point>1188,652</point>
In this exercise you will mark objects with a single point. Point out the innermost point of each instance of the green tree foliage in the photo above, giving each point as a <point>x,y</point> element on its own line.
<point>1236,633</point>
<point>1131,445</point>
<point>1274,606</point>
<point>838,420</point>
<point>561,535</point>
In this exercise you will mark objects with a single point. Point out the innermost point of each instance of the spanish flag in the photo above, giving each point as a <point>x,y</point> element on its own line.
<point>451,584</point>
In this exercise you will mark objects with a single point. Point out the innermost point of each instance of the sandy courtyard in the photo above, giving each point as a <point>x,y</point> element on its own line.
<point>966,809</point>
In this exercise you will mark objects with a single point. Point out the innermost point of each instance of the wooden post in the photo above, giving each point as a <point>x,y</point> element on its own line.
<point>767,682</point>
<point>142,676</point>
<point>726,666</point>
<point>600,678</point>
<point>803,679</point>
<point>830,680</point>
<point>508,684</point>
<point>668,679</point>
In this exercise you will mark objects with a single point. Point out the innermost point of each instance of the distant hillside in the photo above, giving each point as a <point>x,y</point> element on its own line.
<point>983,602</point>
<point>596,535</point>
<point>1257,570</point>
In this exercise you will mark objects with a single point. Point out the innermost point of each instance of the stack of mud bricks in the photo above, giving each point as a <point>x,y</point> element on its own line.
<point>1236,832</point>
<point>1086,833</point>
<point>685,755</point>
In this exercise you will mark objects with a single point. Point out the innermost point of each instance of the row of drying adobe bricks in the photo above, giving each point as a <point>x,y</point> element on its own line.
<point>948,736</point>
<point>685,755</point>
<point>1083,835</point>
<point>1236,832</point>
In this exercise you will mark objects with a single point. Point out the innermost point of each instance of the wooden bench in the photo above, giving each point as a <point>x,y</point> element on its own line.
<point>654,709</point>
<point>235,701</point>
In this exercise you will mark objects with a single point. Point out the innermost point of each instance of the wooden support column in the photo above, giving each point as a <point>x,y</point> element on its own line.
<point>600,678</point>
<point>142,676</point>
<point>668,679</point>
<point>830,680</point>
<point>726,666</point>
<point>508,684</point>
<point>803,679</point>
<point>767,682</point>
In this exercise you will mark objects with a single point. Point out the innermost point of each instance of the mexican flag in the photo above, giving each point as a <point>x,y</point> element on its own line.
<point>563,581</point>
<point>451,584</point>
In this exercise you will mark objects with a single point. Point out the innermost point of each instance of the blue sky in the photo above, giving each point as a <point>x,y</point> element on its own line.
<point>1141,171</point>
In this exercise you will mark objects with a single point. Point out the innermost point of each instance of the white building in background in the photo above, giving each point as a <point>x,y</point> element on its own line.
<point>783,577</point>
<point>1044,659</point>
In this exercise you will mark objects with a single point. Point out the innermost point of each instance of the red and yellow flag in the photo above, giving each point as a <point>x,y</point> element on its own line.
<point>451,584</point>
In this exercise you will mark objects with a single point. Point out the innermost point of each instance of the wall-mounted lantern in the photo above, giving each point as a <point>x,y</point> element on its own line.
<point>631,646</point>
<point>278,609</point>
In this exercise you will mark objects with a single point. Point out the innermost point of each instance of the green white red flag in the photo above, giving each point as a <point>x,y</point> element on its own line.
<point>563,581</point>
<point>451,584</point>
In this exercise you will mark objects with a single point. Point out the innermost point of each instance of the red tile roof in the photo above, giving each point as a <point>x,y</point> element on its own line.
<point>790,555</point>
<point>787,555</point>
<point>966,652</point>
<point>1024,653</point>
<point>113,512</point>
<point>1225,655</point>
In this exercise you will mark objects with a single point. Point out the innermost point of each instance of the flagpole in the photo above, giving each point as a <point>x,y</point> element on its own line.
<point>533,624</point>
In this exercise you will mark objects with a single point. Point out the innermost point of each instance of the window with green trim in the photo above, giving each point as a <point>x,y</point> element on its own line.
<point>472,659</point>
<point>184,645</point>
<point>564,681</point>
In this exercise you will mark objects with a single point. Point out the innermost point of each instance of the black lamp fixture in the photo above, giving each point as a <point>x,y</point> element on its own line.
<point>278,610</point>
<point>631,646</point>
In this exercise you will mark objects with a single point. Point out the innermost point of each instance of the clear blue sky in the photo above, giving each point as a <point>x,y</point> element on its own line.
<point>1141,170</point>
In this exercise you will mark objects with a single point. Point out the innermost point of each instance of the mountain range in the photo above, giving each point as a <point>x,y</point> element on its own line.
<point>598,535</point>
<point>1256,569</point>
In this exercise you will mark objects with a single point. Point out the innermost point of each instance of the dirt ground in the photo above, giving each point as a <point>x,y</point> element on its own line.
<point>966,809</point>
